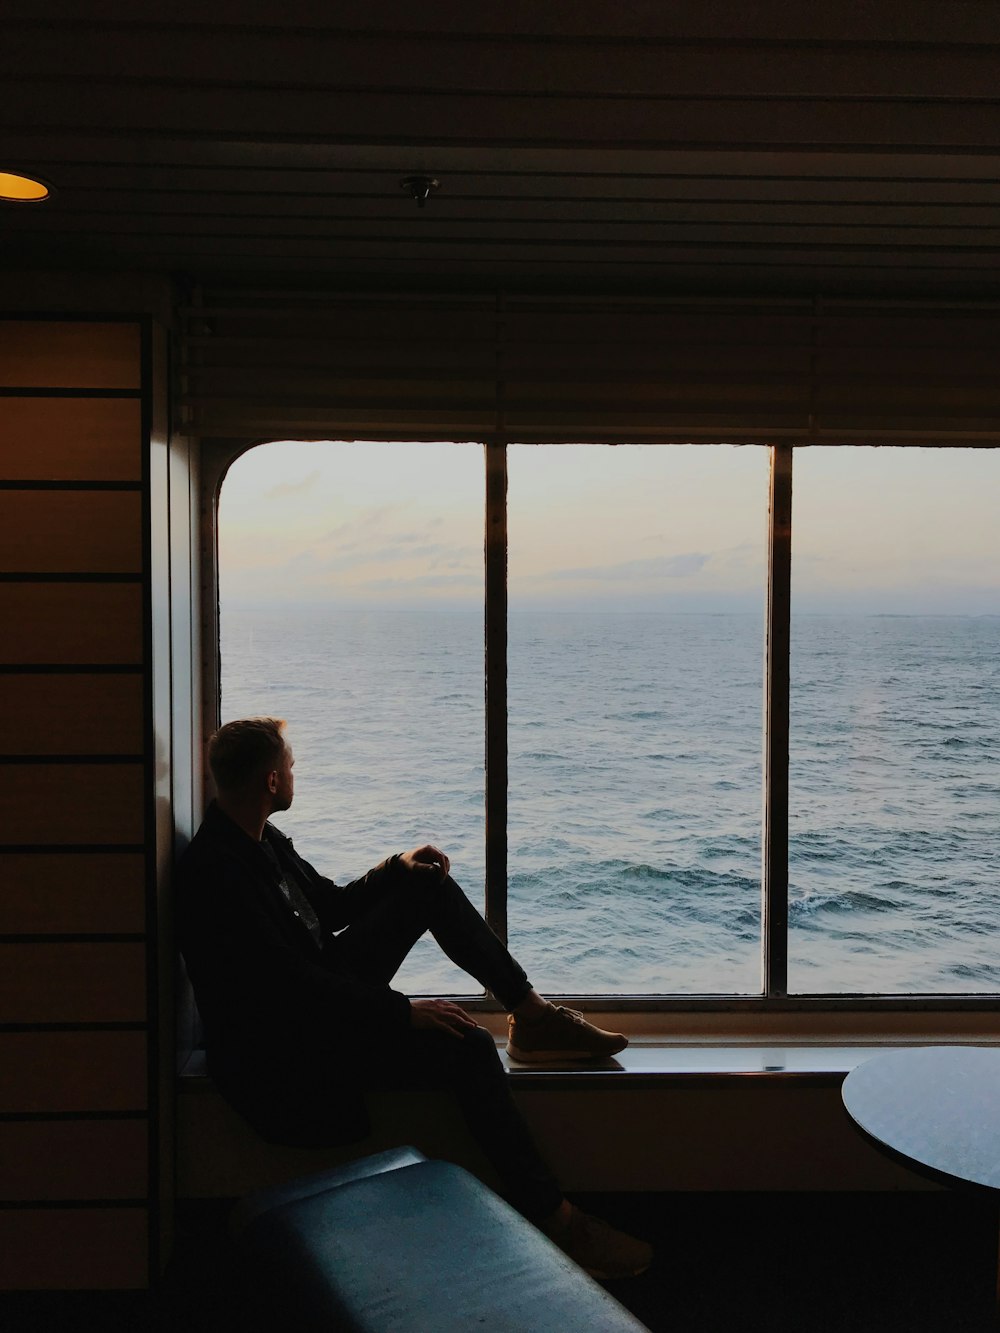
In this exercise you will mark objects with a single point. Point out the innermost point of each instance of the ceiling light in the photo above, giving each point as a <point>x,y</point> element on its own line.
<point>18,189</point>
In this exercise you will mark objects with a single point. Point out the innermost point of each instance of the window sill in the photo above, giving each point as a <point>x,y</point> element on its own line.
<point>741,1115</point>
<point>650,1062</point>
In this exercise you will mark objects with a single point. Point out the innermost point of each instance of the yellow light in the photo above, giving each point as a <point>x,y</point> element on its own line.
<point>18,189</point>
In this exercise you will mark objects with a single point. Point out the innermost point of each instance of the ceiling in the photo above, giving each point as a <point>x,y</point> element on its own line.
<point>828,147</point>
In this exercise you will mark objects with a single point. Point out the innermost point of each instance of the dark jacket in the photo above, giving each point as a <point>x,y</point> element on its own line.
<point>280,1019</point>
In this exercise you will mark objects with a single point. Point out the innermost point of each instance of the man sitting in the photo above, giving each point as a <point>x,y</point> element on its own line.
<point>292,976</point>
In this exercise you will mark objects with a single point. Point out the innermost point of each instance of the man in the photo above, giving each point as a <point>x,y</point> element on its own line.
<point>291,973</point>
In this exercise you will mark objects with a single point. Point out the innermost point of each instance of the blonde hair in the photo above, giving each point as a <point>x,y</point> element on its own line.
<point>241,751</point>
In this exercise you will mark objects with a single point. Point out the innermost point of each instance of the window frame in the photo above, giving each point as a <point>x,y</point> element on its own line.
<point>772,1013</point>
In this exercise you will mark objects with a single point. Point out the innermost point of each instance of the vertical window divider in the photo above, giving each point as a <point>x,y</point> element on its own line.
<point>496,686</point>
<point>774,886</point>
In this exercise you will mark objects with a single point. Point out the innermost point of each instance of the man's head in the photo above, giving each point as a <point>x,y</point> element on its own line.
<point>251,758</point>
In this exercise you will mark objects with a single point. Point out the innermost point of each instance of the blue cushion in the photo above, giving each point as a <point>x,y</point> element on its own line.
<point>425,1248</point>
<point>318,1182</point>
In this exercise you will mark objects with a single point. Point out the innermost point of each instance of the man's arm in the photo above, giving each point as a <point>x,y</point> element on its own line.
<point>425,860</point>
<point>336,905</point>
<point>444,1015</point>
<point>242,962</point>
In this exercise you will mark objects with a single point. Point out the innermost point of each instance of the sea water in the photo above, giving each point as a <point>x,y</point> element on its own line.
<point>635,790</point>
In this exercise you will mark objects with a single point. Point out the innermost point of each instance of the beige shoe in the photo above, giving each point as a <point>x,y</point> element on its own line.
<point>600,1249</point>
<point>560,1034</point>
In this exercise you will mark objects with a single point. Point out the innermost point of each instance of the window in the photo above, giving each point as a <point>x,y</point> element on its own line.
<point>894,860</point>
<point>636,615</point>
<point>351,596</point>
<point>652,670</point>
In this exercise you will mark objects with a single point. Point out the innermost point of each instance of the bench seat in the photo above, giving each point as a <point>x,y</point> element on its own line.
<point>398,1243</point>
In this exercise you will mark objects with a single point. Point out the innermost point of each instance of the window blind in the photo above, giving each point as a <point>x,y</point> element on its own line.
<point>275,363</point>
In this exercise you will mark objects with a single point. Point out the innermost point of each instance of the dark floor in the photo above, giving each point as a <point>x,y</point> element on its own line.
<point>851,1263</point>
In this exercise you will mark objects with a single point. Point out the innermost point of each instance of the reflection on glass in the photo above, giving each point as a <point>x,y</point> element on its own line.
<point>894,860</point>
<point>636,592</point>
<point>351,593</point>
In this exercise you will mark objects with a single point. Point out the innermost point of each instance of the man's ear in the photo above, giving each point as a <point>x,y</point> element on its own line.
<point>272,781</point>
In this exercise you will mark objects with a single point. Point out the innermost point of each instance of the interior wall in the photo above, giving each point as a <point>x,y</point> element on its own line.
<point>83,800</point>
<point>723,1134</point>
<point>100,665</point>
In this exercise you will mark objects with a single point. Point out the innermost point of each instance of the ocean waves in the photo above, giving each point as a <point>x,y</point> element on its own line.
<point>634,803</point>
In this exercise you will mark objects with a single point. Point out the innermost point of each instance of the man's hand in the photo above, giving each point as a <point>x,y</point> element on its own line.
<point>441,1014</point>
<point>426,860</point>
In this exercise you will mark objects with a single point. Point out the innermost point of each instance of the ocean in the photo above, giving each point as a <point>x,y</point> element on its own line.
<point>635,742</point>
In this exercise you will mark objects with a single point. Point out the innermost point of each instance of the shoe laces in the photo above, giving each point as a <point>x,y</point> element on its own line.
<point>573,1015</point>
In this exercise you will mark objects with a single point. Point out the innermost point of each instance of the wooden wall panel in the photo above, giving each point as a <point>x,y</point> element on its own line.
<point>72,1071</point>
<point>73,1248</point>
<point>67,893</point>
<point>70,623</point>
<point>73,714</point>
<point>71,439</point>
<point>77,1121</point>
<point>69,355</point>
<point>69,532</point>
<point>72,803</point>
<point>72,983</point>
<point>73,1159</point>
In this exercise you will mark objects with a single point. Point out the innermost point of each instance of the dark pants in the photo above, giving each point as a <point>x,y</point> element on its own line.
<point>388,918</point>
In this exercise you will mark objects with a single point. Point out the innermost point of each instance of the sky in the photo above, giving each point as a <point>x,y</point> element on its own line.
<point>594,527</point>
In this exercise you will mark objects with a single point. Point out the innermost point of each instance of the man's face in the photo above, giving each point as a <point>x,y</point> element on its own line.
<point>283,788</point>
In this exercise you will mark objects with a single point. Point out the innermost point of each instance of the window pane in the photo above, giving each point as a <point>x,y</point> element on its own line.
<point>894,860</point>
<point>351,590</point>
<point>635,686</point>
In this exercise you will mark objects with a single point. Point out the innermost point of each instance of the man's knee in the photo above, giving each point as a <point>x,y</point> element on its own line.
<point>474,1052</point>
<point>479,1053</point>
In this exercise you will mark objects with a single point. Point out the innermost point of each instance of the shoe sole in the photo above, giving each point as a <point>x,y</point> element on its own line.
<point>547,1057</point>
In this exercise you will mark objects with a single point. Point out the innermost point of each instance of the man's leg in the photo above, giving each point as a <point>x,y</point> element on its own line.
<point>384,929</point>
<point>391,914</point>
<point>469,1067</point>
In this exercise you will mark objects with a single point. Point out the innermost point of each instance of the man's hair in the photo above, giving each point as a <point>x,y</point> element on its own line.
<point>241,751</point>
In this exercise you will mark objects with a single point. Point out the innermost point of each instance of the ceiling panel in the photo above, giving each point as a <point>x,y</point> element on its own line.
<point>840,147</point>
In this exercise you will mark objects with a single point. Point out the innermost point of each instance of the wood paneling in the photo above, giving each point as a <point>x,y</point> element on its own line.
<point>72,983</point>
<point>72,1071</point>
<point>65,893</point>
<point>575,121</point>
<point>960,21</point>
<point>527,114</point>
<point>75,1096</point>
<point>73,1159</point>
<point>73,1248</point>
<point>57,623</point>
<point>467,60</point>
<point>72,803</point>
<point>67,532</point>
<point>70,439</point>
<point>47,354</point>
<point>590,368</point>
<point>73,714</point>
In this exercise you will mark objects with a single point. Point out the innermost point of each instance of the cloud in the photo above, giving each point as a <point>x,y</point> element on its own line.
<point>459,581</point>
<point>356,557</point>
<point>284,488</point>
<point>356,532</point>
<point>657,567</point>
